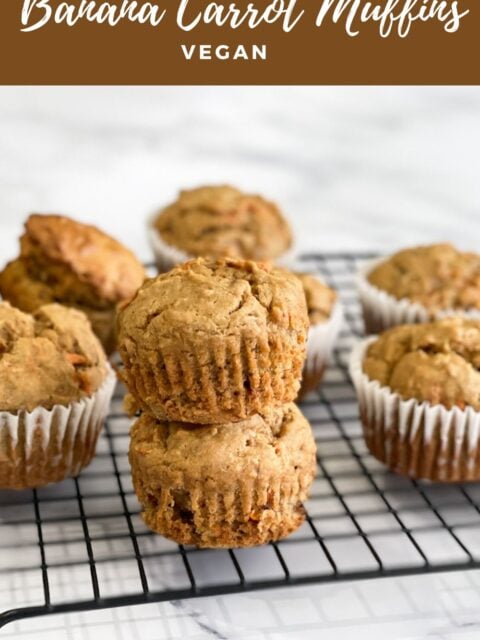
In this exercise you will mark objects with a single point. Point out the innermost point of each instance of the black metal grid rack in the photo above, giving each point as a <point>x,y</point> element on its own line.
<point>82,545</point>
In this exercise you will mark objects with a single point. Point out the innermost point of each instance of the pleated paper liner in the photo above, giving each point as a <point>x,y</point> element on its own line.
<point>382,311</point>
<point>416,439</point>
<point>217,379</point>
<point>320,342</point>
<point>44,446</point>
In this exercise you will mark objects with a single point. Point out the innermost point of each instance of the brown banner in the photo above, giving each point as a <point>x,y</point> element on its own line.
<point>273,42</point>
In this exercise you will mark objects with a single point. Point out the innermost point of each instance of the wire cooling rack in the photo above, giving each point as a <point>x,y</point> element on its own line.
<point>82,544</point>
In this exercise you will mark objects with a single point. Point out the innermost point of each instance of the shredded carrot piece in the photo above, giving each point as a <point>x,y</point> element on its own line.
<point>75,358</point>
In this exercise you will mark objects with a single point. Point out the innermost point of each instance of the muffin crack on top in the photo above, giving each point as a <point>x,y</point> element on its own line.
<point>437,362</point>
<point>214,296</point>
<point>53,352</point>
<point>222,221</point>
<point>82,249</point>
<point>437,276</point>
<point>64,261</point>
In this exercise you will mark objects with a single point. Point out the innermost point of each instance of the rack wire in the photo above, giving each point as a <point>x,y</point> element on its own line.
<point>81,544</point>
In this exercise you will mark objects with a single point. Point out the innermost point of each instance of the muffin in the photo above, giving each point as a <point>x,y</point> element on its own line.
<point>419,393</point>
<point>214,341</point>
<point>50,421</point>
<point>418,285</point>
<point>219,222</point>
<point>325,316</point>
<point>228,485</point>
<point>74,264</point>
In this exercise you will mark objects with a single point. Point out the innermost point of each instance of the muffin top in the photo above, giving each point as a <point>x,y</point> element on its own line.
<point>50,357</point>
<point>223,221</point>
<point>66,261</point>
<point>437,276</point>
<point>267,444</point>
<point>437,362</point>
<point>214,297</point>
<point>320,298</point>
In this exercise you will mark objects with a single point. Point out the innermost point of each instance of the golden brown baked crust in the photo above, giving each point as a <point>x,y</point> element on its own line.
<point>230,485</point>
<point>436,276</point>
<point>78,265</point>
<point>436,362</point>
<point>320,298</point>
<point>222,221</point>
<point>54,354</point>
<point>214,341</point>
<point>80,260</point>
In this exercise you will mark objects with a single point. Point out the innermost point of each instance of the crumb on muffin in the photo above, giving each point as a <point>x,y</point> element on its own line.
<point>219,221</point>
<point>437,276</point>
<point>438,362</point>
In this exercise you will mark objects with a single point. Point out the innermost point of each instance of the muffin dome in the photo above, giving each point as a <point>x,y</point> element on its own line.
<point>221,221</point>
<point>437,362</point>
<point>78,265</point>
<point>320,298</point>
<point>438,276</point>
<point>53,353</point>
<point>214,340</point>
<point>325,319</point>
<point>224,485</point>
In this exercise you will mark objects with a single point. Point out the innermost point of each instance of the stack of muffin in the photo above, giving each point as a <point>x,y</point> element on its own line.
<point>213,353</point>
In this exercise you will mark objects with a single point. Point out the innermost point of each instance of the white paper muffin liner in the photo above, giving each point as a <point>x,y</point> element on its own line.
<point>382,311</point>
<point>48,445</point>
<point>320,342</point>
<point>167,257</point>
<point>416,439</point>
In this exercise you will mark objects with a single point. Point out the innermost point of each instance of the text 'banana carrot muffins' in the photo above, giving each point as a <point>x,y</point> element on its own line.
<point>218,222</point>
<point>325,317</point>
<point>418,285</point>
<point>419,394</point>
<point>214,341</point>
<point>55,388</point>
<point>229,485</point>
<point>78,265</point>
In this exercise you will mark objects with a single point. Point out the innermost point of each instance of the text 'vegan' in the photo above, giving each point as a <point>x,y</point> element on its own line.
<point>224,52</point>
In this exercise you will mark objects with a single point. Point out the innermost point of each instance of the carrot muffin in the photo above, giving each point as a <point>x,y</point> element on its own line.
<point>420,284</point>
<point>50,421</point>
<point>217,222</point>
<point>78,265</point>
<point>214,341</point>
<point>229,485</point>
<point>419,394</point>
<point>325,318</point>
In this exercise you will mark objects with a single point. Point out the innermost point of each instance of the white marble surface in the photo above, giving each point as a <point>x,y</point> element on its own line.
<point>354,168</point>
<point>440,607</point>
